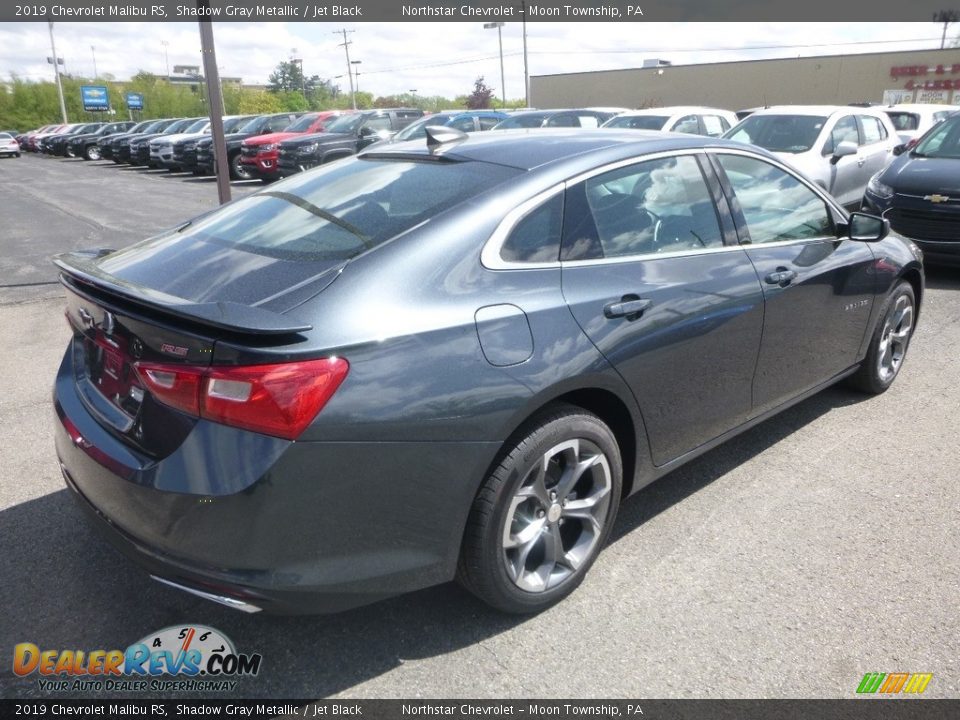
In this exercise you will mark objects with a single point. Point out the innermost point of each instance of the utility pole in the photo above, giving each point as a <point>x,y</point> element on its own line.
<point>503,82</point>
<point>526,72</point>
<point>56,74</point>
<point>946,17</point>
<point>93,52</point>
<point>166,56</point>
<point>346,48</point>
<point>215,107</point>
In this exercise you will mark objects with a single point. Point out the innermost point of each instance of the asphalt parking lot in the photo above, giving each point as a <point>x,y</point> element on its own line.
<point>816,547</point>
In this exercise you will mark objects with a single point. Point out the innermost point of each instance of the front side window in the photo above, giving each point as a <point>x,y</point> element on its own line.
<point>844,131</point>
<point>775,204</point>
<point>464,124</point>
<point>638,122</point>
<point>378,122</point>
<point>487,122</point>
<point>655,206</point>
<point>563,121</point>
<point>714,125</point>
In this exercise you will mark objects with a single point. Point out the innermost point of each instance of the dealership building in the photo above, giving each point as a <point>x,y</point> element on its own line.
<point>927,76</point>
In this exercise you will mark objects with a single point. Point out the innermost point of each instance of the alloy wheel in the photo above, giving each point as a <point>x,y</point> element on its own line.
<point>556,517</point>
<point>894,338</point>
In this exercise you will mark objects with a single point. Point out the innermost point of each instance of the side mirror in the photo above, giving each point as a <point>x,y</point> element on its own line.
<point>367,131</point>
<point>867,228</point>
<point>842,150</point>
<point>899,149</point>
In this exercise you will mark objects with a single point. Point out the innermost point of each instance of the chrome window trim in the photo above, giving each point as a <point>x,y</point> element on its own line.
<point>490,254</point>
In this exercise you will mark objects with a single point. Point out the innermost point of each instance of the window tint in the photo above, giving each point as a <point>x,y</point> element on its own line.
<point>536,238</point>
<point>464,124</point>
<point>563,121</point>
<point>844,131</point>
<point>378,122</point>
<point>872,130</point>
<point>780,133</point>
<point>638,122</point>
<point>342,209</point>
<point>775,204</point>
<point>687,124</point>
<point>488,122</point>
<point>655,206</point>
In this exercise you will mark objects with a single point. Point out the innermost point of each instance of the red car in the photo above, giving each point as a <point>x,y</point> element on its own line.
<point>259,154</point>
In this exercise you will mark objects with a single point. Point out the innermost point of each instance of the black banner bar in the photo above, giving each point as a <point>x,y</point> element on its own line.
<point>471,10</point>
<point>853,709</point>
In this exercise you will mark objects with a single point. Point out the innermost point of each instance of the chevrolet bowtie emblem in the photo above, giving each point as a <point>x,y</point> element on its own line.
<point>936,198</point>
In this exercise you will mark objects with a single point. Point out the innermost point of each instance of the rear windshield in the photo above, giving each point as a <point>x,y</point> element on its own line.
<point>639,122</point>
<point>341,210</point>
<point>521,121</point>
<point>904,120</point>
<point>779,133</point>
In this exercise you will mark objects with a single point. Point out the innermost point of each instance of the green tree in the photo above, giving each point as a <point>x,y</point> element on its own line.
<point>287,77</point>
<point>480,98</point>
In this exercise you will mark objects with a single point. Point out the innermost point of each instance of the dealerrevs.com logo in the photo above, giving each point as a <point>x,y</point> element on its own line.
<point>196,657</point>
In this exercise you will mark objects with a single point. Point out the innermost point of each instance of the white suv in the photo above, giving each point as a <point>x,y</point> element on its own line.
<point>838,147</point>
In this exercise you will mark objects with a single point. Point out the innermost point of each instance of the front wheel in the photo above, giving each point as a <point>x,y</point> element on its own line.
<point>888,345</point>
<point>239,171</point>
<point>92,153</point>
<point>542,516</point>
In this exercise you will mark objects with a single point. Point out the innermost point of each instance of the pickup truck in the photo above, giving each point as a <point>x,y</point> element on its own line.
<point>344,137</point>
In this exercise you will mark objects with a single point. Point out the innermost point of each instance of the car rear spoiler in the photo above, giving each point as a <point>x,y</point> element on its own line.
<point>81,266</point>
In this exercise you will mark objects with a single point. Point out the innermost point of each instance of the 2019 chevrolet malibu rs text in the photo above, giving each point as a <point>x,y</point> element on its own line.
<point>455,359</point>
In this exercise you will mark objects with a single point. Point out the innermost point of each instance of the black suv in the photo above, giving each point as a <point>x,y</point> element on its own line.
<point>345,136</point>
<point>258,126</point>
<point>86,145</point>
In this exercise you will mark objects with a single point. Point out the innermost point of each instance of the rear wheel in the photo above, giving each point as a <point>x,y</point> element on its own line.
<point>889,343</point>
<point>92,152</point>
<point>541,518</point>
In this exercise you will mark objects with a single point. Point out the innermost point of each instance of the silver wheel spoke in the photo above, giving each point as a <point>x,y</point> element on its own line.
<point>556,517</point>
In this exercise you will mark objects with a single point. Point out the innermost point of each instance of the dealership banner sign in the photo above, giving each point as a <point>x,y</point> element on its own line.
<point>470,11</point>
<point>134,101</point>
<point>95,98</point>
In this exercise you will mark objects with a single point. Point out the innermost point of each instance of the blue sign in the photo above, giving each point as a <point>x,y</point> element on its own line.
<point>94,97</point>
<point>134,101</point>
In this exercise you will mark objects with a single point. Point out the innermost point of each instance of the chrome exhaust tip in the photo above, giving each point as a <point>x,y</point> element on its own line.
<point>221,599</point>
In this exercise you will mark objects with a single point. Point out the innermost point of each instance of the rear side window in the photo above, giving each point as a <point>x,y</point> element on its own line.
<point>872,130</point>
<point>904,120</point>
<point>589,121</point>
<point>487,123</point>
<point>379,122</point>
<point>465,124</point>
<point>714,125</point>
<point>536,238</point>
<point>341,210</point>
<point>563,121</point>
<point>656,206</point>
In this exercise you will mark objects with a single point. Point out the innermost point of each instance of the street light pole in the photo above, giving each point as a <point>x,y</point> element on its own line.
<point>503,82</point>
<point>946,17</point>
<point>93,52</point>
<point>166,56</point>
<point>526,73</point>
<point>357,73</point>
<point>56,74</point>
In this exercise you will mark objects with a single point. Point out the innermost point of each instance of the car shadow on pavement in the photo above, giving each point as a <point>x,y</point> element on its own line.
<point>65,587</point>
<point>939,277</point>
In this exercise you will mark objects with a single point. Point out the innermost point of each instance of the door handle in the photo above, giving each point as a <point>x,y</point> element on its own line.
<point>630,306</point>
<point>861,161</point>
<point>782,277</point>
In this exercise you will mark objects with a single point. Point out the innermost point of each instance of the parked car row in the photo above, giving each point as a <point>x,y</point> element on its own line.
<point>843,149</point>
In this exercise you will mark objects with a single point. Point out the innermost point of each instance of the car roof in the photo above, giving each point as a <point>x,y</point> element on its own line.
<point>919,107</point>
<point>672,110</point>
<point>527,149</point>
<point>818,110</point>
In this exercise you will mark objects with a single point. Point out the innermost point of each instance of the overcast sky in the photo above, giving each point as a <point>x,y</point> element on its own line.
<point>436,58</point>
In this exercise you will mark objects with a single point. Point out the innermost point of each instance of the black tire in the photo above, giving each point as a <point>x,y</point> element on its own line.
<point>91,152</point>
<point>872,376</point>
<point>237,170</point>
<point>484,556</point>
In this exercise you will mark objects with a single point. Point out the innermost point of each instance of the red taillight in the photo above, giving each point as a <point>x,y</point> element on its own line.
<point>280,399</point>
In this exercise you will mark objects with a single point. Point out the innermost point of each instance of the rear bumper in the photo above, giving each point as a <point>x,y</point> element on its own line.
<point>286,527</point>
